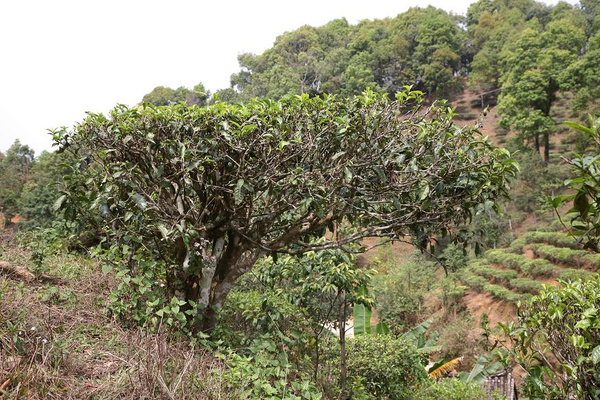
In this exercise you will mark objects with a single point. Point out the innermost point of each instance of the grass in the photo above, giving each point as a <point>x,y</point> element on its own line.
<point>58,342</point>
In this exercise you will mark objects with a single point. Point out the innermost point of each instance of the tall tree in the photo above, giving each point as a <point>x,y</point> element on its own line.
<point>384,55</point>
<point>530,81</point>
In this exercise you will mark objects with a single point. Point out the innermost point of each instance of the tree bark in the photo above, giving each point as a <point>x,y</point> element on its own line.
<point>546,147</point>
<point>342,330</point>
<point>222,287</point>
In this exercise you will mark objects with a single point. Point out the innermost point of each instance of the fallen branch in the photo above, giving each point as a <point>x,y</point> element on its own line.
<point>16,271</point>
<point>22,273</point>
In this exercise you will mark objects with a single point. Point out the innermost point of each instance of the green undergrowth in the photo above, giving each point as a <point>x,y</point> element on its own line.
<point>57,341</point>
<point>508,275</point>
<point>567,256</point>
<point>559,239</point>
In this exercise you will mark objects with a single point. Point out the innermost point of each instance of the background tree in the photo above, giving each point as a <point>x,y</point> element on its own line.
<point>15,169</point>
<point>422,48</point>
<point>162,96</point>
<point>530,80</point>
<point>36,201</point>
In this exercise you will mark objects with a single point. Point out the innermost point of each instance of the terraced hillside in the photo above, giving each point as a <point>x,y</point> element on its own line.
<point>517,272</point>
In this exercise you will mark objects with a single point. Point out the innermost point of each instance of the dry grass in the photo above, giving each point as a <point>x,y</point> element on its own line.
<point>57,342</point>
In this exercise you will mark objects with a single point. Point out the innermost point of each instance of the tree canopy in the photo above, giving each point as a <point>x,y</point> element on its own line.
<point>210,190</point>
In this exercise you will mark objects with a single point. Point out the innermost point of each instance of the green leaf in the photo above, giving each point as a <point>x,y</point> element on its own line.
<point>59,202</point>
<point>595,355</point>
<point>380,174</point>
<point>382,328</point>
<point>140,201</point>
<point>580,128</point>
<point>424,190</point>
<point>337,155</point>
<point>106,268</point>
<point>238,195</point>
<point>347,175</point>
<point>475,374</point>
<point>163,231</point>
<point>362,320</point>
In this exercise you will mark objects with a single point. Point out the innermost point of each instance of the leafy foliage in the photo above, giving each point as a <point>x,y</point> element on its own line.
<point>162,96</point>
<point>400,288</point>
<point>15,170</point>
<point>388,368</point>
<point>450,389</point>
<point>563,321</point>
<point>209,191</point>
<point>585,214</point>
<point>421,48</point>
<point>266,373</point>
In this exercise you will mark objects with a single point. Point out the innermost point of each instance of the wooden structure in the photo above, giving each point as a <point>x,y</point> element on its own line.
<point>503,383</point>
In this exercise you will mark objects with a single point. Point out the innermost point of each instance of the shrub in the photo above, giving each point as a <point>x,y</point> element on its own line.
<point>450,389</point>
<point>571,274</point>
<point>539,268</point>
<point>563,255</point>
<point>593,259</point>
<point>399,293</point>
<point>516,246</point>
<point>506,259</point>
<point>475,282</point>
<point>533,268</point>
<point>525,285</point>
<point>565,321</point>
<point>492,273</point>
<point>388,368</point>
<point>559,239</point>
<point>266,373</point>
<point>502,293</point>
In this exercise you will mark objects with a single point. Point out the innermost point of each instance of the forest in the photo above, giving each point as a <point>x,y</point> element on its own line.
<point>404,208</point>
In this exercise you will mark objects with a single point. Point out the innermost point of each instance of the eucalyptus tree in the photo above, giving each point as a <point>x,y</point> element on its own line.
<point>210,190</point>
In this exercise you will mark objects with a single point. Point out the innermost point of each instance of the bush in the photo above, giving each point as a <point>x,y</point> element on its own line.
<point>533,268</point>
<point>266,373</point>
<point>525,285</point>
<point>563,255</point>
<point>565,321</point>
<point>571,274</point>
<point>487,271</point>
<point>539,268</point>
<point>454,257</point>
<point>593,259</point>
<point>399,292</point>
<point>475,282</point>
<point>559,239</point>
<point>510,260</point>
<point>386,367</point>
<point>450,389</point>
<point>502,293</point>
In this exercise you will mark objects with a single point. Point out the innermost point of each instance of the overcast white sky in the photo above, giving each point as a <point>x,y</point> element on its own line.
<point>61,58</point>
